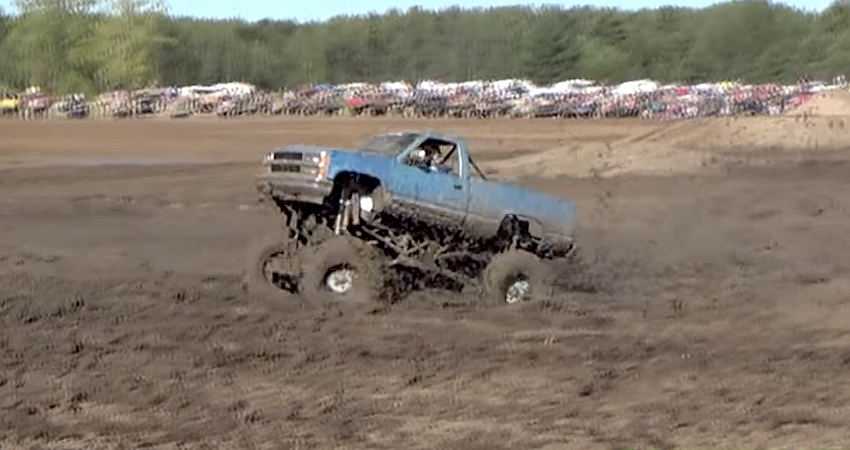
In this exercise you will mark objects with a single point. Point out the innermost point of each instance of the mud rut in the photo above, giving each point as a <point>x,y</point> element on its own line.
<point>711,311</point>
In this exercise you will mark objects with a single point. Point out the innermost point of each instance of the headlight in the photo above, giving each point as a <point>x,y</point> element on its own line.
<point>366,204</point>
<point>268,158</point>
<point>324,165</point>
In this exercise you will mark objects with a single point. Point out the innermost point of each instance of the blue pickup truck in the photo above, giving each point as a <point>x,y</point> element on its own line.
<point>405,205</point>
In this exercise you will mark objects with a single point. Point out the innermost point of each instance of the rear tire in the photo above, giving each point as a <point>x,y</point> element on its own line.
<point>346,271</point>
<point>517,277</point>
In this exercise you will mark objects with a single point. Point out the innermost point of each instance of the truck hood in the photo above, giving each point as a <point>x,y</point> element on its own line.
<point>305,148</point>
<point>342,160</point>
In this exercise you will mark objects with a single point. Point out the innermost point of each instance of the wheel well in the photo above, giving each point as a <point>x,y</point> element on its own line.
<point>523,227</point>
<point>347,182</point>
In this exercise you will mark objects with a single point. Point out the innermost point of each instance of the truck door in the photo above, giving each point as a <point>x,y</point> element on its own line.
<point>441,190</point>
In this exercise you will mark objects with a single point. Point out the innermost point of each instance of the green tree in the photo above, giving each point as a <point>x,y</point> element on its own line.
<point>91,45</point>
<point>125,43</point>
<point>42,41</point>
<point>554,47</point>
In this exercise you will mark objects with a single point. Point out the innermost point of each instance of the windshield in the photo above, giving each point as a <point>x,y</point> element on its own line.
<point>389,144</point>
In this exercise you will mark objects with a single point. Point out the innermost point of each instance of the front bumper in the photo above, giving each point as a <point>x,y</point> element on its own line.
<point>294,189</point>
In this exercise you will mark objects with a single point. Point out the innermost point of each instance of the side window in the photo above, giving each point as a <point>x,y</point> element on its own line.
<point>451,159</point>
<point>436,155</point>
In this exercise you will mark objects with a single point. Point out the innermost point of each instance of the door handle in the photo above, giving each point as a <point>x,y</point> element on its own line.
<point>458,186</point>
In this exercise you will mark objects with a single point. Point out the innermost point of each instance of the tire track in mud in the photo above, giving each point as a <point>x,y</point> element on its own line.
<point>212,333</point>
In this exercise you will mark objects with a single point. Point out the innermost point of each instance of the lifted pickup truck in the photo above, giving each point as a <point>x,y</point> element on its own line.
<point>410,201</point>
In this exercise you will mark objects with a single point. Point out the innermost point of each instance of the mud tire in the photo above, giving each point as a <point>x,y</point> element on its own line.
<point>506,267</point>
<point>369,283</point>
<point>272,244</point>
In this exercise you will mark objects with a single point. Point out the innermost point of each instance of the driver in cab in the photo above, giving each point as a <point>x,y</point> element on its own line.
<point>429,156</point>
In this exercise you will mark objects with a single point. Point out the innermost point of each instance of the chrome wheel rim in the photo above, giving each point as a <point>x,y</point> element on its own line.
<point>518,290</point>
<point>340,281</point>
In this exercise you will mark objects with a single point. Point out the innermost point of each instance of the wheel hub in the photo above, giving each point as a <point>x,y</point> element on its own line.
<point>340,281</point>
<point>518,290</point>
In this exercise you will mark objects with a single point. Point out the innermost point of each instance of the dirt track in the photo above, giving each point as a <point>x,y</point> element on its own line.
<point>714,313</point>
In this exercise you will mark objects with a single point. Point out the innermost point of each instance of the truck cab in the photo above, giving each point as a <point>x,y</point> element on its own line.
<point>436,176</point>
<point>433,172</point>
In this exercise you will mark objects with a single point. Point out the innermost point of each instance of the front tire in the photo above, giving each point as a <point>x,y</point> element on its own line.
<point>345,270</point>
<point>273,267</point>
<point>516,277</point>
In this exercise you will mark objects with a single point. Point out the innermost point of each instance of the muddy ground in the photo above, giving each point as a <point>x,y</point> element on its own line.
<point>714,310</point>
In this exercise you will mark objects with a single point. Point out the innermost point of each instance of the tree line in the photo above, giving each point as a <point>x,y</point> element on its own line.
<point>97,45</point>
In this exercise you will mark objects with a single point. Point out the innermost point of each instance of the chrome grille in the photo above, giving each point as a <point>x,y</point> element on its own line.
<point>286,168</point>
<point>294,163</point>
<point>288,156</point>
